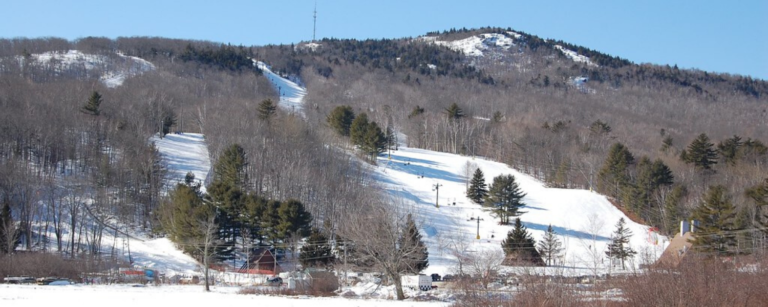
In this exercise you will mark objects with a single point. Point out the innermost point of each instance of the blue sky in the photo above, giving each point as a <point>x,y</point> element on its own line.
<point>720,36</point>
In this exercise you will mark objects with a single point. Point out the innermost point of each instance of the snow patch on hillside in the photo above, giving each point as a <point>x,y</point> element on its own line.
<point>573,55</point>
<point>113,73</point>
<point>476,45</point>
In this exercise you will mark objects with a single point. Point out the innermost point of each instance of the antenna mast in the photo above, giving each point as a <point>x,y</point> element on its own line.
<point>314,24</point>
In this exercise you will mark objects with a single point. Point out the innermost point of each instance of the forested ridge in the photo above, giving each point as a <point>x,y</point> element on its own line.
<point>656,139</point>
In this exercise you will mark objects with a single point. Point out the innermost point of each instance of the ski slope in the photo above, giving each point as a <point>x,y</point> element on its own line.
<point>582,219</point>
<point>113,71</point>
<point>183,153</point>
<point>291,94</point>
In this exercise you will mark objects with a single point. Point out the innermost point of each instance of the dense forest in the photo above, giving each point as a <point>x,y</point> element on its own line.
<point>75,153</point>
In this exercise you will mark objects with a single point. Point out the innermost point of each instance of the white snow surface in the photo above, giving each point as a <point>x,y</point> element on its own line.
<point>476,45</point>
<point>573,55</point>
<point>183,153</point>
<point>113,74</point>
<point>583,220</point>
<point>131,296</point>
<point>291,93</point>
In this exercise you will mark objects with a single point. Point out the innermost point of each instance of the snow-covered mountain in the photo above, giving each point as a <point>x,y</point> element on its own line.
<point>111,70</point>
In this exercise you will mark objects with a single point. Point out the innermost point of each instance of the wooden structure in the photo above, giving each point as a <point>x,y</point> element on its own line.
<point>262,261</point>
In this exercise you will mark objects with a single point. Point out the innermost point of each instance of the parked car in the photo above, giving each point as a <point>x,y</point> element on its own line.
<point>274,281</point>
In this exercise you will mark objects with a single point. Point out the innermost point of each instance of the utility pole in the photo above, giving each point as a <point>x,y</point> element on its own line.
<point>478,225</point>
<point>436,188</point>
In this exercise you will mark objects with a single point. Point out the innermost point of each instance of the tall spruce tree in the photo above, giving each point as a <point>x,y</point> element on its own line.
<point>374,141</point>
<point>418,257</point>
<point>293,219</point>
<point>93,104</point>
<point>619,247</point>
<point>614,175</point>
<point>519,247</point>
<point>506,197</point>
<point>550,246</point>
<point>341,119</point>
<point>717,222</point>
<point>759,195</point>
<point>729,149</point>
<point>316,252</point>
<point>359,129</point>
<point>700,153</point>
<point>477,190</point>
<point>454,112</point>
<point>267,108</point>
<point>9,233</point>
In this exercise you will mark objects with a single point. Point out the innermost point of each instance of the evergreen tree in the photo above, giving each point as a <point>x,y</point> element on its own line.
<point>341,119</point>
<point>478,190</point>
<point>717,221</point>
<point>181,215</point>
<point>550,246</point>
<point>359,129</point>
<point>454,112</point>
<point>497,117</point>
<point>411,240</point>
<point>374,142</point>
<point>267,108</point>
<point>519,247</point>
<point>417,110</point>
<point>316,252</point>
<point>9,233</point>
<point>506,197</point>
<point>759,195</point>
<point>599,128</point>
<point>619,247</point>
<point>230,168</point>
<point>700,153</point>
<point>614,174</point>
<point>92,106</point>
<point>168,122</point>
<point>666,143</point>
<point>293,219</point>
<point>729,149</point>
<point>270,219</point>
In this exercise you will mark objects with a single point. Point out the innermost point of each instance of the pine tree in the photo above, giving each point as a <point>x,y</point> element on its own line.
<point>454,112</point>
<point>168,122</point>
<point>550,246</point>
<point>717,221</point>
<point>614,174</point>
<point>700,153</point>
<point>359,129</point>
<point>519,247</point>
<point>293,219</point>
<point>9,233</point>
<point>341,119</point>
<point>417,253</point>
<point>477,190</point>
<point>759,195</point>
<point>506,196</point>
<point>619,247</point>
<point>729,149</point>
<point>230,168</point>
<point>267,108</point>
<point>316,252</point>
<point>599,128</point>
<point>92,106</point>
<point>374,142</point>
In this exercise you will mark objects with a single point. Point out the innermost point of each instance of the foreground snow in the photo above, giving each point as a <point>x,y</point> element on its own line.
<point>126,295</point>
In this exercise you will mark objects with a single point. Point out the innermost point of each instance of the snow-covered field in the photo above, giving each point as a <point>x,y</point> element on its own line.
<point>477,44</point>
<point>126,295</point>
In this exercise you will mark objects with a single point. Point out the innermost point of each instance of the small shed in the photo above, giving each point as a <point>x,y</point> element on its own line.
<point>262,261</point>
